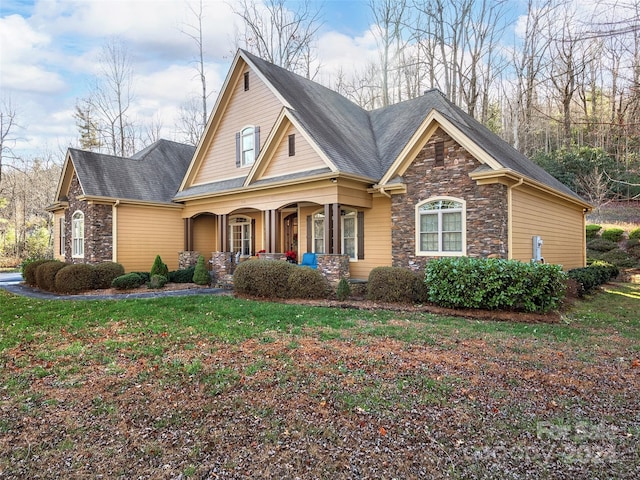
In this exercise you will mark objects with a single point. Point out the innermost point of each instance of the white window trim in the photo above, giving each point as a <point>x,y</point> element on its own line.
<point>77,241</point>
<point>63,236</point>
<point>313,230</point>
<point>354,214</point>
<point>246,221</point>
<point>440,252</point>
<point>250,132</point>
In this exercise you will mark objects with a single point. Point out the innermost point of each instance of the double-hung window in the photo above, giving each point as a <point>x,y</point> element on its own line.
<point>441,227</point>
<point>247,146</point>
<point>349,233</point>
<point>318,232</point>
<point>77,234</point>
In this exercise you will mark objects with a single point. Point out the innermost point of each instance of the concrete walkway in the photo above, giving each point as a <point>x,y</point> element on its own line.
<point>12,282</point>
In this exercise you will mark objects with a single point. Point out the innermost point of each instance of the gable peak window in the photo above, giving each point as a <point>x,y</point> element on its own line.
<point>292,145</point>
<point>246,81</point>
<point>441,227</point>
<point>439,153</point>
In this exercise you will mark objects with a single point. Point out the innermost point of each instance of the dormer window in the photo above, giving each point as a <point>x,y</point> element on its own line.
<point>247,146</point>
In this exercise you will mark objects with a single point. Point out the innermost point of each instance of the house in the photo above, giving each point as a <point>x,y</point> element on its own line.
<point>287,164</point>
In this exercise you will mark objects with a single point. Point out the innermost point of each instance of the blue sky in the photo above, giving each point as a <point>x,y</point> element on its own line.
<point>49,51</point>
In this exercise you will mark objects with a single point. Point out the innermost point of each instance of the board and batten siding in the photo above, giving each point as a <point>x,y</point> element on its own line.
<point>257,106</point>
<point>560,225</point>
<point>305,157</point>
<point>144,232</point>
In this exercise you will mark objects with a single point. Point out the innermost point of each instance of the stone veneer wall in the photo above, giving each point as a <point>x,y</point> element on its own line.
<point>486,212</point>
<point>187,259</point>
<point>333,267</point>
<point>98,228</point>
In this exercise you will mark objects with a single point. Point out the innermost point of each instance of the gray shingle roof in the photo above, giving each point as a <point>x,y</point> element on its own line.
<point>366,143</point>
<point>153,174</point>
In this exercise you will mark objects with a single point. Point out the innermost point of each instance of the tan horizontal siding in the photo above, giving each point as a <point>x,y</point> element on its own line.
<point>559,224</point>
<point>305,157</point>
<point>259,107</point>
<point>377,239</point>
<point>144,232</point>
<point>205,236</point>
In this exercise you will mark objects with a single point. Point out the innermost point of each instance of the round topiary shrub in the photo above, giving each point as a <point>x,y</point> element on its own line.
<point>184,275</point>
<point>613,234</point>
<point>601,245</point>
<point>128,281</point>
<point>46,274</point>
<point>159,268</point>
<point>391,284</point>
<point>305,282</point>
<point>592,231</point>
<point>74,278</point>
<point>263,278</point>
<point>201,274</point>
<point>105,272</point>
<point>635,233</point>
<point>157,281</point>
<point>29,268</point>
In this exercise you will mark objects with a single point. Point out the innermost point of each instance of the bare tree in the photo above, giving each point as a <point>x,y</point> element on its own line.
<point>8,118</point>
<point>190,122</point>
<point>280,35</point>
<point>87,126</point>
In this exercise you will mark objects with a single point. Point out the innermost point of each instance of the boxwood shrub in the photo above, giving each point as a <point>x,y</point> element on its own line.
<point>46,274</point>
<point>105,272</point>
<point>184,275</point>
<point>128,281</point>
<point>495,284</point>
<point>392,284</point>
<point>201,274</point>
<point>614,234</point>
<point>29,268</point>
<point>593,275</point>
<point>305,282</point>
<point>263,278</point>
<point>157,281</point>
<point>592,231</point>
<point>74,278</point>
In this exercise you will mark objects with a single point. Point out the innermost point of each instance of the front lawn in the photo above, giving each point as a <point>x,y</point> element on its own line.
<point>218,387</point>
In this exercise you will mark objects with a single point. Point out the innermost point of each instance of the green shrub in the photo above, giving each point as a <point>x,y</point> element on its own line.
<point>201,274</point>
<point>74,278</point>
<point>105,272</point>
<point>634,249</point>
<point>159,268</point>
<point>391,284</point>
<point>493,284</point>
<point>29,268</point>
<point>601,245</point>
<point>619,257</point>
<point>593,275</point>
<point>263,278</point>
<point>184,275</point>
<point>343,291</point>
<point>634,234</point>
<point>157,281</point>
<point>128,281</point>
<point>613,234</point>
<point>46,274</point>
<point>592,231</point>
<point>144,275</point>
<point>305,282</point>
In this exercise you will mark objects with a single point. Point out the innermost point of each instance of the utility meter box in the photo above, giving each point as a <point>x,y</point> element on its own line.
<point>537,242</point>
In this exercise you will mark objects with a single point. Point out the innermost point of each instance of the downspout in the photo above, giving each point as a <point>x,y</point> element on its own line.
<point>114,232</point>
<point>510,216</point>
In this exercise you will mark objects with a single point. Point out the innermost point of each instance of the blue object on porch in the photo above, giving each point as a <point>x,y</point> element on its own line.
<point>309,260</point>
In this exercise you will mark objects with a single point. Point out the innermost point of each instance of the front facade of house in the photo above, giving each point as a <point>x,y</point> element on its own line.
<point>288,165</point>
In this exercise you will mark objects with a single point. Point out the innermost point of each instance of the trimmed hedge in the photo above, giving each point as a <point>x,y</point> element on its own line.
<point>613,234</point>
<point>593,276</point>
<point>46,274</point>
<point>144,275</point>
<point>495,284</point>
<point>305,282</point>
<point>263,278</point>
<point>74,278</point>
<point>184,275</point>
<point>592,231</point>
<point>128,281</point>
<point>105,272</point>
<point>601,245</point>
<point>392,284</point>
<point>29,268</point>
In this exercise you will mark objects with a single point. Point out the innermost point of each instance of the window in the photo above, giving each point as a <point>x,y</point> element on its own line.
<point>349,233</point>
<point>240,235</point>
<point>318,232</point>
<point>246,81</point>
<point>247,146</point>
<point>292,144</point>
<point>441,227</point>
<point>439,153</point>
<point>77,235</point>
<point>63,237</point>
